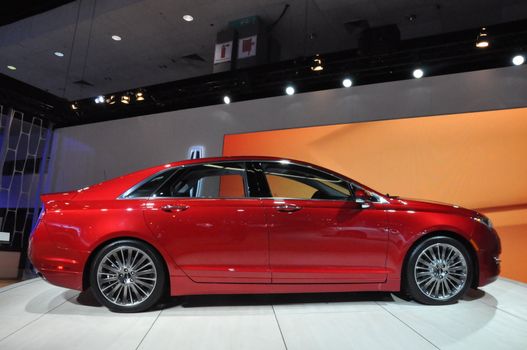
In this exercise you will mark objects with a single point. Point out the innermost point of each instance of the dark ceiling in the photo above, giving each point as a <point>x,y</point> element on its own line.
<point>156,45</point>
<point>17,10</point>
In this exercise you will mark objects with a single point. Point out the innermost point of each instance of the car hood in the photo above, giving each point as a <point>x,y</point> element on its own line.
<point>428,205</point>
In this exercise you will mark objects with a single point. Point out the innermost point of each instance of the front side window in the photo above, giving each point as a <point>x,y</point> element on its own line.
<point>214,180</point>
<point>287,180</point>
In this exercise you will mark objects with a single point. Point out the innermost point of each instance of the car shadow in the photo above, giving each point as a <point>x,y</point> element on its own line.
<point>278,299</point>
<point>87,298</point>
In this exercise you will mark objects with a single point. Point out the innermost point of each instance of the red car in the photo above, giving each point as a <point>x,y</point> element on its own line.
<point>256,225</point>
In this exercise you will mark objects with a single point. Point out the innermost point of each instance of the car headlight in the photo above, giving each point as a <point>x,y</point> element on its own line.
<point>484,220</point>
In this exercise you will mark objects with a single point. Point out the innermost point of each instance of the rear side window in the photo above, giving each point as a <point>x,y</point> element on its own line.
<point>150,185</point>
<point>214,180</point>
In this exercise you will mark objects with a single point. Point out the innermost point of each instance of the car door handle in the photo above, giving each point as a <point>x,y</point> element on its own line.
<point>177,207</point>
<point>288,208</point>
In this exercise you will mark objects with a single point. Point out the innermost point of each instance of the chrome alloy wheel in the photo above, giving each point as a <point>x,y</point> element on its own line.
<point>441,271</point>
<point>126,276</point>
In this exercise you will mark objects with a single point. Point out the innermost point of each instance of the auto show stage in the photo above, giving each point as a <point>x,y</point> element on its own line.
<point>37,315</point>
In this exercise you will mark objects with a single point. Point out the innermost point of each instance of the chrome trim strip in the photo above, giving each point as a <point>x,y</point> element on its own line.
<point>381,199</point>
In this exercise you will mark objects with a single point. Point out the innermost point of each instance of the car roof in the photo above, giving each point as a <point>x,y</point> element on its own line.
<point>233,158</point>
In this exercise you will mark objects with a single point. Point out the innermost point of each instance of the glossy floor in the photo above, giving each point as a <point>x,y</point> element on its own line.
<point>36,315</point>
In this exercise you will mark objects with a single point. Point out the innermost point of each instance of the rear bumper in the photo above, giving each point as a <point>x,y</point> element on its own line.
<point>59,266</point>
<point>70,280</point>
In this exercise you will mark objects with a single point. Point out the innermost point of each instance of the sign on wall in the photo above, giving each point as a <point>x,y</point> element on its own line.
<point>247,47</point>
<point>223,52</point>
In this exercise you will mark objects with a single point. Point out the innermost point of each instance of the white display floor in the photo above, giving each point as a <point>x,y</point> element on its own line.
<point>37,315</point>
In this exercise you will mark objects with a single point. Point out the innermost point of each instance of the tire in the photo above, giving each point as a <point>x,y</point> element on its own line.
<point>439,271</point>
<point>131,275</point>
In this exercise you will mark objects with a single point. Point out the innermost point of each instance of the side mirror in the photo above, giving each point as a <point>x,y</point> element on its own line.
<point>362,197</point>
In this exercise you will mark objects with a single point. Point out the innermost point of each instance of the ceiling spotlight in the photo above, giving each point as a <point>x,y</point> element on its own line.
<point>125,99</point>
<point>518,60</point>
<point>110,100</point>
<point>317,65</point>
<point>188,18</point>
<point>226,100</point>
<point>11,67</point>
<point>347,82</point>
<point>116,37</point>
<point>99,99</point>
<point>139,96</point>
<point>74,106</point>
<point>290,90</point>
<point>482,39</point>
<point>58,54</point>
<point>418,73</point>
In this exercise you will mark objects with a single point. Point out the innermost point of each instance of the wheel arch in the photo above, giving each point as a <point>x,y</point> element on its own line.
<point>463,240</point>
<point>91,257</point>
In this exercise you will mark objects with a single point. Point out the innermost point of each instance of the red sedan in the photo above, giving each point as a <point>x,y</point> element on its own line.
<point>256,225</point>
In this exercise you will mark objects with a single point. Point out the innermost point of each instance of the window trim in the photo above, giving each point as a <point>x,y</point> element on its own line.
<point>246,163</point>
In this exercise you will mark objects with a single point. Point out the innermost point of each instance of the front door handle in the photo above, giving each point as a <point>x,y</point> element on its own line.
<point>177,207</point>
<point>288,208</point>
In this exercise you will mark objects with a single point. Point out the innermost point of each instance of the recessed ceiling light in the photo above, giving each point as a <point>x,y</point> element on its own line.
<point>11,67</point>
<point>188,18</point>
<point>347,82</point>
<point>290,90</point>
<point>482,39</point>
<point>317,64</point>
<point>418,73</point>
<point>116,37</point>
<point>58,54</point>
<point>518,60</point>
<point>226,100</point>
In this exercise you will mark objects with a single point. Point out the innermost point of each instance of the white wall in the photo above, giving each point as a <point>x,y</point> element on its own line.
<point>86,154</point>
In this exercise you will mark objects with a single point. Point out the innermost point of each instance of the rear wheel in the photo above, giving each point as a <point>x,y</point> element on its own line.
<point>127,276</point>
<point>439,271</point>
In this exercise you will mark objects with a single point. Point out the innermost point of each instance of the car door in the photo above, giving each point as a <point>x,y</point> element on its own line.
<point>318,233</point>
<point>211,228</point>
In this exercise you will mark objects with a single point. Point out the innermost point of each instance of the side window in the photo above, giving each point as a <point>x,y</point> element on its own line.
<point>214,180</point>
<point>295,181</point>
<point>147,188</point>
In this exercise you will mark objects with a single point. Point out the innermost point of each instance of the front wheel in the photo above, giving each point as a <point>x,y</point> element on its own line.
<point>439,271</point>
<point>127,276</point>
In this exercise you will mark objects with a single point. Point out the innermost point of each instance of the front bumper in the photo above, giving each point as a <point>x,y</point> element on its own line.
<point>488,247</point>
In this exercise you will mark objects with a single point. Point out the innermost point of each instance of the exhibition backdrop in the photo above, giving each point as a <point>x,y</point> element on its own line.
<point>476,160</point>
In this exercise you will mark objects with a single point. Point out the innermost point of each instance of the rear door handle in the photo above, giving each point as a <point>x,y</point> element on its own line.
<point>177,207</point>
<point>288,208</point>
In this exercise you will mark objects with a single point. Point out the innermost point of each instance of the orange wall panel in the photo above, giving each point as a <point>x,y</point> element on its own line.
<point>476,160</point>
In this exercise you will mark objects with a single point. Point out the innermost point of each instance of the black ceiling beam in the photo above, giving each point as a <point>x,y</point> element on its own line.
<point>31,100</point>
<point>13,11</point>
